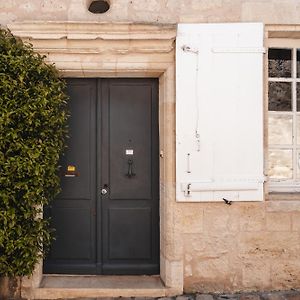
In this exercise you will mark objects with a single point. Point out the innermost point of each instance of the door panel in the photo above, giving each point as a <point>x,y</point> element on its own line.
<point>73,211</point>
<point>113,145</point>
<point>130,208</point>
<point>130,130</point>
<point>76,243</point>
<point>81,144</point>
<point>134,225</point>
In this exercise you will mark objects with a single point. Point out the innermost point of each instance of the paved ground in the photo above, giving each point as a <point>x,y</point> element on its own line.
<point>282,295</point>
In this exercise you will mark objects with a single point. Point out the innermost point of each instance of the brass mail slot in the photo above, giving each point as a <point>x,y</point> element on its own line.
<point>71,171</point>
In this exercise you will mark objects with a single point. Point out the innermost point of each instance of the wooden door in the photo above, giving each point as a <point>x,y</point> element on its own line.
<point>107,216</point>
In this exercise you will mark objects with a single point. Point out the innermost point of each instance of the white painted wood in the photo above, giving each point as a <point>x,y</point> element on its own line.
<point>219,112</point>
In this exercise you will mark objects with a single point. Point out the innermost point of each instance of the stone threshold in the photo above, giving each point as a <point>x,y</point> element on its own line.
<point>94,286</point>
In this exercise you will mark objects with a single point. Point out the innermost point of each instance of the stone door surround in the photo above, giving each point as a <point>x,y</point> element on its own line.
<point>81,49</point>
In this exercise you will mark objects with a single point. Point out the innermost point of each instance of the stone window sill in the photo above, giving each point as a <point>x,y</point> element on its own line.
<point>283,202</point>
<point>283,196</point>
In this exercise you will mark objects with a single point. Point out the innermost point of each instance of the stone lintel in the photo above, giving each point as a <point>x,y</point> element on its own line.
<point>92,30</point>
<point>283,31</point>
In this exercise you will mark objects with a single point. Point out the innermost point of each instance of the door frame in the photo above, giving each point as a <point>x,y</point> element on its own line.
<point>116,50</point>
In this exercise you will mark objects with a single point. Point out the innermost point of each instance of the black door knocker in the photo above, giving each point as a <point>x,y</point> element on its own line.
<point>130,172</point>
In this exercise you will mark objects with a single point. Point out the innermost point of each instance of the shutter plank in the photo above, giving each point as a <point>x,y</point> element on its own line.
<point>223,103</point>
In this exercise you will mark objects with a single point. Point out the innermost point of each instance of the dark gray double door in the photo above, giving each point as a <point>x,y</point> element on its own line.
<point>107,215</point>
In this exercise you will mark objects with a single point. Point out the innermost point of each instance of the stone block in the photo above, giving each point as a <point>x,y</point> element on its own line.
<point>204,297</point>
<point>191,218</point>
<point>278,222</point>
<point>228,296</point>
<point>296,221</point>
<point>252,217</point>
<point>292,295</point>
<point>256,274</point>
<point>183,297</point>
<point>272,12</point>
<point>209,246</point>
<point>217,218</point>
<point>213,269</point>
<point>268,245</point>
<point>274,296</point>
<point>285,274</point>
<point>250,297</point>
<point>283,206</point>
<point>10,288</point>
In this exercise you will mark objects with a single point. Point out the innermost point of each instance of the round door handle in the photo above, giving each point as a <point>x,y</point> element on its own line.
<point>103,191</point>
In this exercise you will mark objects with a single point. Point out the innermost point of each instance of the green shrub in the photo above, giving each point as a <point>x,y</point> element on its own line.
<point>32,131</point>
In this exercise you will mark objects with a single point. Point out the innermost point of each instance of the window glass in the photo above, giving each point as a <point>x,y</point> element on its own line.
<point>298,63</point>
<point>298,129</point>
<point>281,129</point>
<point>298,164</point>
<point>298,96</point>
<point>280,62</point>
<point>280,164</point>
<point>280,96</point>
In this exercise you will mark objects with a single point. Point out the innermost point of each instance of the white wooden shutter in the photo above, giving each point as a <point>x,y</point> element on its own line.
<point>219,112</point>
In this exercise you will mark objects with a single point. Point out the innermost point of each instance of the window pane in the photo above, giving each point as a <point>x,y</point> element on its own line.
<point>298,63</point>
<point>280,96</point>
<point>298,96</point>
<point>280,62</point>
<point>298,164</point>
<point>298,129</point>
<point>280,129</point>
<point>280,164</point>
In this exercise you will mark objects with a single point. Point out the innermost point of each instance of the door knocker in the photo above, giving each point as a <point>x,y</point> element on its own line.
<point>130,172</point>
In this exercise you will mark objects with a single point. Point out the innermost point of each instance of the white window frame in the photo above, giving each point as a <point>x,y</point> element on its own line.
<point>282,185</point>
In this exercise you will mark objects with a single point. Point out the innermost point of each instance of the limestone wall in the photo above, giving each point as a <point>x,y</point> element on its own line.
<point>240,247</point>
<point>155,11</point>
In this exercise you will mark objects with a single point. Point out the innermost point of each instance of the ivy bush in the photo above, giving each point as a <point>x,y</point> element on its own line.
<point>32,131</point>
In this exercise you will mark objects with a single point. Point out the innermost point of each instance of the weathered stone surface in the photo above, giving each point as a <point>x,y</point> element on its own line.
<point>296,222</point>
<point>204,297</point>
<point>274,296</point>
<point>278,222</point>
<point>155,11</point>
<point>182,298</point>
<point>228,296</point>
<point>252,217</point>
<point>256,274</point>
<point>249,297</point>
<point>10,288</point>
<point>191,217</point>
<point>269,245</point>
<point>285,274</point>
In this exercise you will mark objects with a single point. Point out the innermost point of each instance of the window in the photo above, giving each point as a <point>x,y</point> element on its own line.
<point>284,119</point>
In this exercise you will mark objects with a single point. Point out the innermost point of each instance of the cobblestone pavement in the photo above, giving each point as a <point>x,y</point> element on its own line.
<point>282,295</point>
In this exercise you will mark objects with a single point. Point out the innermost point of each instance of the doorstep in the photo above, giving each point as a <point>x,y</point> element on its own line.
<point>93,286</point>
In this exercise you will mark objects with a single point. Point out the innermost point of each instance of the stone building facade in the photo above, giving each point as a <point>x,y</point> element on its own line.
<point>207,246</point>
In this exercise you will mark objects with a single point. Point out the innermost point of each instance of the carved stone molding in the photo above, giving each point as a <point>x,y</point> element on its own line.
<point>102,49</point>
<point>88,30</point>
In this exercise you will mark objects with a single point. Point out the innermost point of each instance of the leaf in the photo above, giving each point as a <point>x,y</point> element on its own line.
<point>33,129</point>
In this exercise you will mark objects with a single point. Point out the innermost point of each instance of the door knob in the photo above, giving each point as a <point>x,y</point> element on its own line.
<point>103,191</point>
